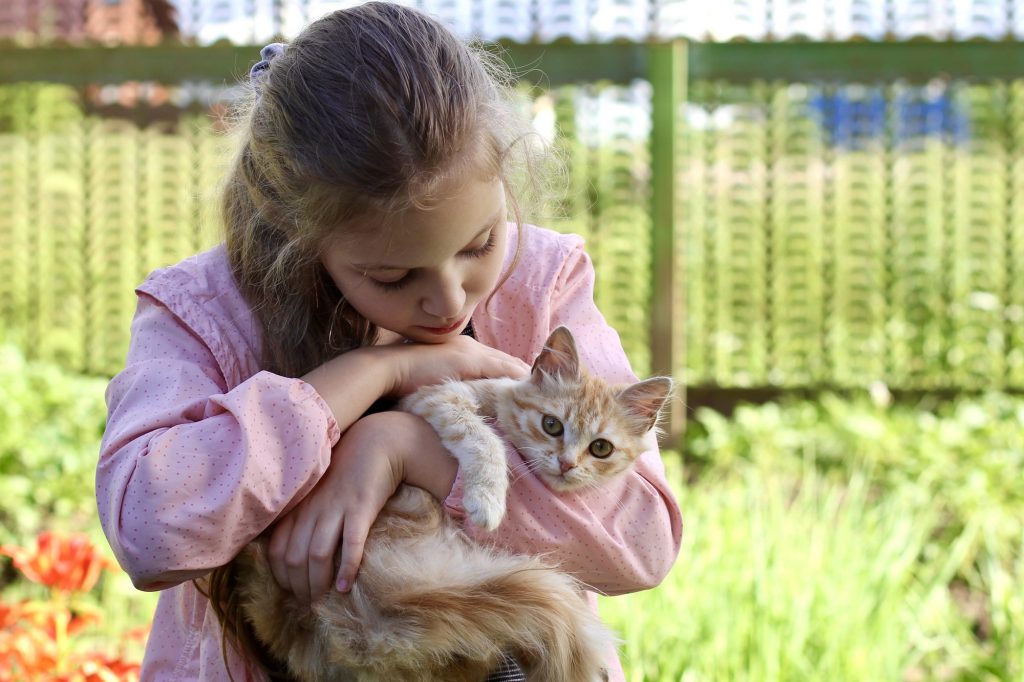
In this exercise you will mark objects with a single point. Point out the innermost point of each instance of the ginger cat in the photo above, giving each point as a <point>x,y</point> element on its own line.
<point>430,604</point>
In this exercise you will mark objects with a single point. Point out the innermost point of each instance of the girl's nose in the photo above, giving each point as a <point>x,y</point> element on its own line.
<point>446,300</point>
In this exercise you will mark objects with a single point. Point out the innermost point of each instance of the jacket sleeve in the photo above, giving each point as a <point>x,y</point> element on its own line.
<point>621,537</point>
<point>189,470</point>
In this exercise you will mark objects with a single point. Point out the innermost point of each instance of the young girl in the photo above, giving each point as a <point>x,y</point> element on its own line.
<point>368,252</point>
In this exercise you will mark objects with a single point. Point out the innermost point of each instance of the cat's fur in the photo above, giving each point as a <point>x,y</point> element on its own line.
<point>430,604</point>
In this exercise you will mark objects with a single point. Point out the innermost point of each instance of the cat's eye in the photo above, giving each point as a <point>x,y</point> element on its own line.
<point>552,426</point>
<point>601,448</point>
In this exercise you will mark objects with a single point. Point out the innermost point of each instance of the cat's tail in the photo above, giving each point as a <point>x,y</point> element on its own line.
<point>457,607</point>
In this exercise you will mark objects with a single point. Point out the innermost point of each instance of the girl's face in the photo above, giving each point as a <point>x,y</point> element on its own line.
<point>422,274</point>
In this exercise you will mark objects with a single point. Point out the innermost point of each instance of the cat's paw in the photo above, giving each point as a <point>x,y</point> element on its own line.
<point>484,508</point>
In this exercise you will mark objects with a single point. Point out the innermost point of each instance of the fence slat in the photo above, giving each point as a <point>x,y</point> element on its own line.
<point>836,220</point>
<point>667,265</point>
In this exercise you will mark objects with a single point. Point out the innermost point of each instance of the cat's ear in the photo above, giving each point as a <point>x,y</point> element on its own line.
<point>558,358</point>
<point>643,401</point>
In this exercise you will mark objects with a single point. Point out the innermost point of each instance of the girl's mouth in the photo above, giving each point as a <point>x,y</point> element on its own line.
<point>444,330</point>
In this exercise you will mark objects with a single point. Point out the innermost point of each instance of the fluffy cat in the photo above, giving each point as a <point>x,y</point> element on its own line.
<point>429,603</point>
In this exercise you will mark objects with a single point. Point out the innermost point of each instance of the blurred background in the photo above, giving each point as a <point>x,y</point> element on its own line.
<point>810,213</point>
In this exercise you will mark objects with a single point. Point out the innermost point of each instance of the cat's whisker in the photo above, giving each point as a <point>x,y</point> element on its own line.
<point>528,467</point>
<point>519,466</point>
<point>620,506</point>
<point>517,472</point>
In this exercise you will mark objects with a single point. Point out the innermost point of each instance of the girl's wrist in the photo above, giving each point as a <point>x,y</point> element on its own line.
<point>425,463</point>
<point>387,360</point>
<point>351,383</point>
<point>393,363</point>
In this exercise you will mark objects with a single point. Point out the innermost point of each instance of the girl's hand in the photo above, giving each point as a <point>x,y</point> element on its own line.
<point>351,382</point>
<point>367,465</point>
<point>423,364</point>
<point>364,472</point>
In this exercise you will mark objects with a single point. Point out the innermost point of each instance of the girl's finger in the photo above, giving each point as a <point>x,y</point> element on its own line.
<point>510,364</point>
<point>322,548</point>
<point>352,542</point>
<point>296,558</point>
<point>279,539</point>
<point>517,368</point>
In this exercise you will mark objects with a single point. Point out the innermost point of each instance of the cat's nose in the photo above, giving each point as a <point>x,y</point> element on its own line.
<point>565,466</point>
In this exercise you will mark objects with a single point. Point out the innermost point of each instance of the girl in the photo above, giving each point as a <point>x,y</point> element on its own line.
<point>367,252</point>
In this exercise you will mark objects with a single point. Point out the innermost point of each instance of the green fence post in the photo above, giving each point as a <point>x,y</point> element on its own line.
<point>667,68</point>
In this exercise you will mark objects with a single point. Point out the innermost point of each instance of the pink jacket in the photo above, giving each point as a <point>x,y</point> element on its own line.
<point>203,450</point>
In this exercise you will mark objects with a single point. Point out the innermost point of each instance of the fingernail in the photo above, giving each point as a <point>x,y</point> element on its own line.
<point>342,586</point>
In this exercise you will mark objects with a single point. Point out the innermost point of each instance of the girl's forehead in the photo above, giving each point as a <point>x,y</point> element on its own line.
<point>421,235</point>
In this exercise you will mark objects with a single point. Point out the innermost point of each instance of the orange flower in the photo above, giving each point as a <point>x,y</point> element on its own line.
<point>64,563</point>
<point>32,655</point>
<point>10,614</point>
<point>99,668</point>
<point>27,654</point>
<point>53,617</point>
<point>137,634</point>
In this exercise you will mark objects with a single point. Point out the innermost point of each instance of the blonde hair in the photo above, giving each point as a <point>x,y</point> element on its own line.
<point>368,112</point>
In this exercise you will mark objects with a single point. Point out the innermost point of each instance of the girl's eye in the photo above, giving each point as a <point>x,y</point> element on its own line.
<point>395,285</point>
<point>482,251</point>
<point>552,426</point>
<point>601,448</point>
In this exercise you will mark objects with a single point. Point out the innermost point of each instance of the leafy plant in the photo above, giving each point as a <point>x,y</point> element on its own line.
<point>51,422</point>
<point>966,454</point>
<point>797,575</point>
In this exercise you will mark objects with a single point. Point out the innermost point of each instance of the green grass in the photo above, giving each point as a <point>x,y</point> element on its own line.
<point>841,541</point>
<point>784,579</point>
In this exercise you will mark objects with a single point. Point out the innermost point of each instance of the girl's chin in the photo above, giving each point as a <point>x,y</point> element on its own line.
<point>418,334</point>
<point>386,337</point>
<point>422,336</point>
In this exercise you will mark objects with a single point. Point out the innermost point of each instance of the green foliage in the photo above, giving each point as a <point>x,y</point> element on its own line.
<point>790,580</point>
<point>51,423</point>
<point>28,108</point>
<point>841,541</point>
<point>967,454</point>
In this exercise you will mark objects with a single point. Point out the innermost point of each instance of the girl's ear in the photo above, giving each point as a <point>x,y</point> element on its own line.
<point>558,357</point>
<point>643,401</point>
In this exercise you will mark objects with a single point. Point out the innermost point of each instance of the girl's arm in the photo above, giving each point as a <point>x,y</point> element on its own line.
<point>191,470</point>
<point>397,370</point>
<point>374,456</point>
<point>622,536</point>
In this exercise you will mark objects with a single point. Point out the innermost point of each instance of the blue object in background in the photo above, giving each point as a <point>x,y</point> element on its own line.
<point>914,115</point>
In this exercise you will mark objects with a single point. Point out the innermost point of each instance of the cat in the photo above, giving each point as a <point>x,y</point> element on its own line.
<point>429,603</point>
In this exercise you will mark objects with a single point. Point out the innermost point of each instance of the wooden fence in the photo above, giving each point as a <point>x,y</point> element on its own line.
<point>793,215</point>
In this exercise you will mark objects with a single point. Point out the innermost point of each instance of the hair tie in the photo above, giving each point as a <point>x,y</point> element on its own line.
<point>258,72</point>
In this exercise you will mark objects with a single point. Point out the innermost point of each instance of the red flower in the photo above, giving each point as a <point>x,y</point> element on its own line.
<point>64,563</point>
<point>98,668</point>
<point>53,617</point>
<point>26,654</point>
<point>37,637</point>
<point>10,614</point>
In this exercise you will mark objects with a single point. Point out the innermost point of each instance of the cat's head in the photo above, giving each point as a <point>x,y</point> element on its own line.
<point>574,429</point>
